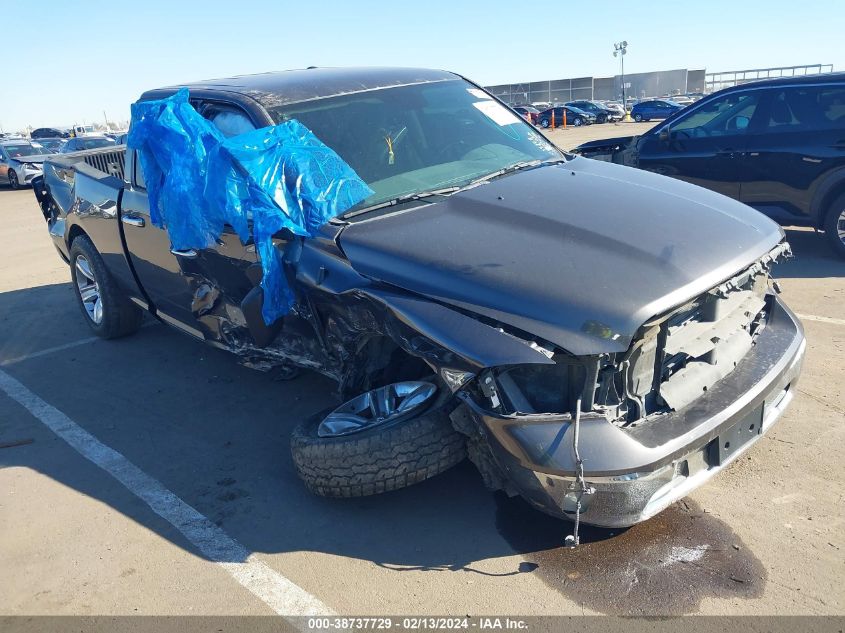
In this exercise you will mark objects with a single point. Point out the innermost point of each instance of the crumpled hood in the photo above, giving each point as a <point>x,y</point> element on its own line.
<point>580,254</point>
<point>37,159</point>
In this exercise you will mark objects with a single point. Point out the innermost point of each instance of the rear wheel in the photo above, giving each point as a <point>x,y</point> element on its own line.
<point>108,312</point>
<point>385,439</point>
<point>13,180</point>
<point>834,225</point>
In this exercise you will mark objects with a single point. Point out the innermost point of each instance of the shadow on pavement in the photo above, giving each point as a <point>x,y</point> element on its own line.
<point>813,257</point>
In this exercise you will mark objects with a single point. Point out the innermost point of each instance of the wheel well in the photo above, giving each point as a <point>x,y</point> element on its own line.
<point>825,206</point>
<point>380,361</point>
<point>75,231</point>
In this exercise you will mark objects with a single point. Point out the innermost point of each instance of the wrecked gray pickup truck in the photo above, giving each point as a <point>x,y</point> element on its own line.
<point>597,339</point>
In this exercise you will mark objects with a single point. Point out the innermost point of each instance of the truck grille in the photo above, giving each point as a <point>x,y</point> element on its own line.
<point>107,162</point>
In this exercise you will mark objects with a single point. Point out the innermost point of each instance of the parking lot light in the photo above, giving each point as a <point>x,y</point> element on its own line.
<point>619,50</point>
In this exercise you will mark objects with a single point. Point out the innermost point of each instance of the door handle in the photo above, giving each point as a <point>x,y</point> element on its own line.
<point>189,253</point>
<point>132,220</point>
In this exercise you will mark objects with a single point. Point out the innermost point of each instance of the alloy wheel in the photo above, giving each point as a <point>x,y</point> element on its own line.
<point>88,289</point>
<point>13,180</point>
<point>377,406</point>
<point>840,226</point>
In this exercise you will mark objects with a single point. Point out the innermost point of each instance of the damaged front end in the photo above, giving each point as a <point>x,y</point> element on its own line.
<point>697,386</point>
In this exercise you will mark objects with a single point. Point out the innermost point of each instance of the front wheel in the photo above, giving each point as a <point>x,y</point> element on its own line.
<point>381,440</point>
<point>638,118</point>
<point>108,312</point>
<point>544,123</point>
<point>834,225</point>
<point>14,183</point>
<point>578,122</point>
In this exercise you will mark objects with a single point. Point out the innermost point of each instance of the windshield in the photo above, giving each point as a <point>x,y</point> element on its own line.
<point>24,149</point>
<point>419,138</point>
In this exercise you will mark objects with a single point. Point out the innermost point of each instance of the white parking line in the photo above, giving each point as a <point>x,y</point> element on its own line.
<point>821,319</point>
<point>280,594</point>
<point>59,348</point>
<point>50,350</point>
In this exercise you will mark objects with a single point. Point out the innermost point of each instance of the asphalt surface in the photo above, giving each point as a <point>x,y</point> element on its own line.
<point>199,510</point>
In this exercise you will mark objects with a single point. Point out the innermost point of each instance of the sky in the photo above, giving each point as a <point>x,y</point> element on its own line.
<point>80,59</point>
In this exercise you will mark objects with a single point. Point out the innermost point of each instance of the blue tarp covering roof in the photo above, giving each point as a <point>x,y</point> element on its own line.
<point>278,177</point>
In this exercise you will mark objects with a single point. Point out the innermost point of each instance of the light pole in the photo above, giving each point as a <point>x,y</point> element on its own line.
<point>619,49</point>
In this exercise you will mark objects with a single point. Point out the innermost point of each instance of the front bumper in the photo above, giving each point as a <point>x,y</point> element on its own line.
<point>637,471</point>
<point>26,174</point>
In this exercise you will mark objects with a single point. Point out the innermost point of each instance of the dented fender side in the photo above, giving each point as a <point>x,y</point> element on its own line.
<point>446,338</point>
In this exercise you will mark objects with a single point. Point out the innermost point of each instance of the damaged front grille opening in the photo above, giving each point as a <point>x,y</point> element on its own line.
<point>674,359</point>
<point>680,356</point>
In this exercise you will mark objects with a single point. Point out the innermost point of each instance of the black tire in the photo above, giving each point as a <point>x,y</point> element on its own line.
<point>835,218</point>
<point>14,183</point>
<point>578,122</point>
<point>544,123</point>
<point>385,458</point>
<point>638,117</point>
<point>120,317</point>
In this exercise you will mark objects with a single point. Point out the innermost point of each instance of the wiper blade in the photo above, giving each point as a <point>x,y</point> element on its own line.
<point>515,167</point>
<point>418,195</point>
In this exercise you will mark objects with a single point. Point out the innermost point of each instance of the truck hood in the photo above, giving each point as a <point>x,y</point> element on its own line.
<point>580,254</point>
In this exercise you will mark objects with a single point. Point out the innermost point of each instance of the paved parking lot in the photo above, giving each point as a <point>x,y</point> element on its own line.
<point>573,136</point>
<point>152,475</point>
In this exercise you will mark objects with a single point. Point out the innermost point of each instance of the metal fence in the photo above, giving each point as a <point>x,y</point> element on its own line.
<point>637,85</point>
<point>717,81</point>
<point>643,85</point>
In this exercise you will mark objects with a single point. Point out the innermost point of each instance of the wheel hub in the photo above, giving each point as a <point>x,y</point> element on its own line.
<point>88,289</point>
<point>377,406</point>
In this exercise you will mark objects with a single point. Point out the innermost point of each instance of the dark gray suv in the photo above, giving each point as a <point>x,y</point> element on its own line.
<point>777,146</point>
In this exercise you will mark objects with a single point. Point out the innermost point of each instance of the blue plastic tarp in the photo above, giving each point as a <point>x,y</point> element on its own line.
<point>274,178</point>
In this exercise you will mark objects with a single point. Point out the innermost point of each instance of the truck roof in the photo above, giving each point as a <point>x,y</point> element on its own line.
<point>280,88</point>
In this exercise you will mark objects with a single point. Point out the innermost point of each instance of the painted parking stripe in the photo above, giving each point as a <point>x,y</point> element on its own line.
<point>50,350</point>
<point>279,593</point>
<point>821,319</point>
<point>59,348</point>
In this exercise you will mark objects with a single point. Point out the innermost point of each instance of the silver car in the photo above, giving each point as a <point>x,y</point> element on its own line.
<point>20,162</point>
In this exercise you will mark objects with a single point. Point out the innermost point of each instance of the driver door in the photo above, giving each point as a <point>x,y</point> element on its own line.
<point>707,146</point>
<point>190,289</point>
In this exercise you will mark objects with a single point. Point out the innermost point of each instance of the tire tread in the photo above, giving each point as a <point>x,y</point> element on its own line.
<point>121,317</point>
<point>376,461</point>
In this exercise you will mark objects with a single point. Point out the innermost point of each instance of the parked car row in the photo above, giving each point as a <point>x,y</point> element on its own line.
<point>577,113</point>
<point>574,116</point>
<point>21,158</point>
